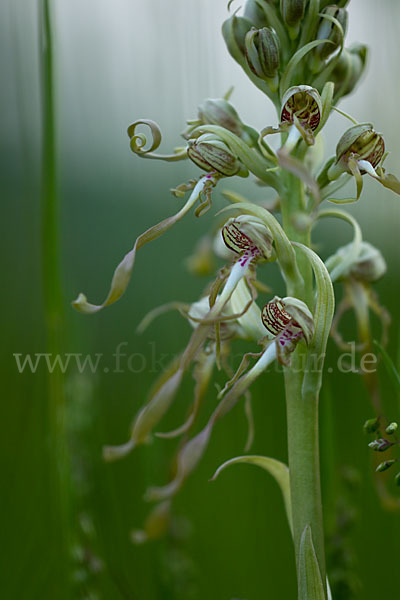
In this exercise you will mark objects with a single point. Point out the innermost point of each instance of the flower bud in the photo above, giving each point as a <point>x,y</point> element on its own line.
<point>391,428</point>
<point>328,30</point>
<point>292,11</point>
<point>234,31</point>
<point>384,466</point>
<point>362,142</point>
<point>380,445</point>
<point>397,479</point>
<point>349,69</point>
<point>220,112</point>
<point>371,425</point>
<point>247,234</point>
<point>262,52</point>
<point>304,102</point>
<point>212,154</point>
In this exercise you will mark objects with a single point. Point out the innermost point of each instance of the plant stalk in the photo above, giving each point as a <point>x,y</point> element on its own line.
<point>54,309</point>
<point>302,411</point>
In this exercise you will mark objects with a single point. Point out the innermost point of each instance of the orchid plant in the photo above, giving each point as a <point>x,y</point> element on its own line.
<point>294,52</point>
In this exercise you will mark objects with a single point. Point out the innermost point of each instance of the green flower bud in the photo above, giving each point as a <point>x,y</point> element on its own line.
<point>349,69</point>
<point>384,466</point>
<point>220,112</point>
<point>292,11</point>
<point>371,425</point>
<point>304,102</point>
<point>362,142</point>
<point>234,31</point>
<point>212,154</point>
<point>397,479</point>
<point>327,30</point>
<point>247,233</point>
<point>262,52</point>
<point>380,445</point>
<point>391,429</point>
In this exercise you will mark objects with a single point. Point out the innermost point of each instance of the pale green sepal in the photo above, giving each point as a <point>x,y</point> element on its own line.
<point>327,100</point>
<point>310,580</point>
<point>276,468</point>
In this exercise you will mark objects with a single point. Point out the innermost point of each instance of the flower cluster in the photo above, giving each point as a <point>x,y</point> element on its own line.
<point>292,50</point>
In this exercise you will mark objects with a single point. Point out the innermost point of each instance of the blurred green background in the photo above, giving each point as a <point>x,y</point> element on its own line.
<point>66,515</point>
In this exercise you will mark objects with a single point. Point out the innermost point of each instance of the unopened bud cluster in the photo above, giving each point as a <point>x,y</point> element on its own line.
<point>269,34</point>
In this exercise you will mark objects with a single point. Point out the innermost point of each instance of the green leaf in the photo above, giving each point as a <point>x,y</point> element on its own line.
<point>276,468</point>
<point>294,61</point>
<point>310,581</point>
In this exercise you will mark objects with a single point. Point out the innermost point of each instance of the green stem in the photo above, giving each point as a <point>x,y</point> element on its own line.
<point>302,408</point>
<point>54,310</point>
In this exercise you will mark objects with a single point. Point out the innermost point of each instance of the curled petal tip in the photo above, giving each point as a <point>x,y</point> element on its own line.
<point>111,453</point>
